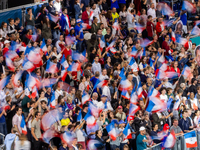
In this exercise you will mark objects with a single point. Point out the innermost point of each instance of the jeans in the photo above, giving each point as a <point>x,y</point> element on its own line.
<point>3,130</point>
<point>122,145</point>
<point>56,34</point>
<point>78,46</point>
<point>113,147</point>
<point>30,27</point>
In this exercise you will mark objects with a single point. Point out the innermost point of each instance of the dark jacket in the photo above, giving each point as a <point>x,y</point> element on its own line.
<point>158,120</point>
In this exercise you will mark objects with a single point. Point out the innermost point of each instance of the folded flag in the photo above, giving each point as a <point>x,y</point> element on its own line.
<point>191,139</point>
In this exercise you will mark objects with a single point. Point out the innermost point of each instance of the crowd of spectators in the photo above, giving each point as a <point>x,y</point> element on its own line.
<point>82,67</point>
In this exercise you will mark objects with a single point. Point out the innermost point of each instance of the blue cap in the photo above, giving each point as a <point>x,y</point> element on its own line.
<point>121,121</point>
<point>115,121</point>
<point>78,21</point>
<point>103,96</point>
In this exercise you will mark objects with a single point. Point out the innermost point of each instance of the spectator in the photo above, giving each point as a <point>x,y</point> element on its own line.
<point>30,20</point>
<point>141,140</point>
<point>16,121</point>
<point>176,128</point>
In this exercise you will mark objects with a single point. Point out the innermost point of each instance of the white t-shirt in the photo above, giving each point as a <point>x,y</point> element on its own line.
<point>80,136</point>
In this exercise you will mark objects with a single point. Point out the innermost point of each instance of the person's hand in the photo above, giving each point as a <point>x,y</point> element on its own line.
<point>13,107</point>
<point>82,5</point>
<point>108,140</point>
<point>171,114</point>
<point>15,91</point>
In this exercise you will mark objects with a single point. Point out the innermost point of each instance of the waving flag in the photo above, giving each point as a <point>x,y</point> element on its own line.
<point>63,62</point>
<point>94,110</point>
<point>4,82</point>
<point>133,64</point>
<point>12,55</point>
<point>50,118</point>
<point>125,85</point>
<point>153,92</point>
<point>191,139</point>
<point>173,36</point>
<point>161,59</point>
<point>111,45</point>
<point>133,52</point>
<point>51,67</point>
<point>67,137</point>
<point>194,103</point>
<point>112,131</point>
<point>134,97</point>
<point>187,72</point>
<point>53,101</point>
<point>85,98</point>
<point>146,43</point>
<point>188,6</point>
<point>169,140</point>
<point>171,75</point>
<point>49,134</point>
<point>53,18</point>
<point>182,41</point>
<point>113,50</point>
<point>16,78</point>
<point>94,145</point>
<point>125,95</point>
<point>139,90</point>
<point>133,109</point>
<point>195,31</point>
<point>63,74</point>
<point>44,47</point>
<point>10,64</point>
<point>90,120</point>
<point>86,26</point>
<point>27,65</point>
<point>74,67</point>
<point>23,125</point>
<point>127,132</point>
<point>79,56</point>
<point>102,44</point>
<point>166,10</point>
<point>31,81</point>
<point>35,58</point>
<point>169,23</point>
<point>139,28</point>
<point>116,26</point>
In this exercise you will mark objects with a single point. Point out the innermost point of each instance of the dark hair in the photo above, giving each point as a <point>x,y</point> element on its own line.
<point>96,133</point>
<point>60,97</point>
<point>149,17</point>
<point>28,9</point>
<point>2,24</point>
<point>63,9</point>
<point>77,109</point>
<point>36,113</point>
<point>10,19</point>
<point>17,109</point>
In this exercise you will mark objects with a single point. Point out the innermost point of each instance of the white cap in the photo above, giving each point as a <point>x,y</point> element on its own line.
<point>6,41</point>
<point>135,70</point>
<point>142,128</point>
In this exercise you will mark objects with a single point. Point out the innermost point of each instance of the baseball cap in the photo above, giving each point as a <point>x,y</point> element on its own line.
<point>121,121</point>
<point>142,128</point>
<point>103,96</point>
<point>130,118</point>
<point>6,41</point>
<point>78,21</point>
<point>119,107</point>
<point>166,127</point>
<point>135,70</point>
<point>71,28</point>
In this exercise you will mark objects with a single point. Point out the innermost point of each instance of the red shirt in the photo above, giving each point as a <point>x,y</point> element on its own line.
<point>166,47</point>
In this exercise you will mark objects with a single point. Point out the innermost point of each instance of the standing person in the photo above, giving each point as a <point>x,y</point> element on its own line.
<point>78,8</point>
<point>184,123</point>
<point>16,121</point>
<point>96,66</point>
<point>51,8</point>
<point>57,5</point>
<point>141,140</point>
<point>150,27</point>
<point>30,20</point>
<point>36,131</point>
<point>26,105</point>
<point>86,15</point>
<point>79,35</point>
<point>65,22</point>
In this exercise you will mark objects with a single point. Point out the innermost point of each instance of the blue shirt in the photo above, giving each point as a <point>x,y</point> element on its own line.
<point>184,124</point>
<point>94,81</point>
<point>183,18</point>
<point>77,30</point>
<point>114,4</point>
<point>140,144</point>
<point>2,119</point>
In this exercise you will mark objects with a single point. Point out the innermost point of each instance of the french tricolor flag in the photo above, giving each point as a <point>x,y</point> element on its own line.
<point>187,72</point>
<point>139,28</point>
<point>133,109</point>
<point>101,84</point>
<point>67,137</point>
<point>173,36</point>
<point>113,50</point>
<point>112,131</point>
<point>102,44</point>
<point>182,41</point>
<point>133,64</point>
<point>23,125</point>
<point>91,15</point>
<point>49,134</point>
<point>63,74</point>
<point>27,65</point>
<point>134,97</point>
<point>125,85</point>
<point>53,101</point>
<point>139,90</point>
<point>111,45</point>
<point>94,110</point>
<point>63,62</point>
<point>146,42</point>
<point>191,139</point>
<point>30,81</point>
<point>153,92</point>
<point>51,67</point>
<point>116,26</point>
<point>133,52</point>
<point>53,18</point>
<point>125,95</point>
<point>44,47</point>
<point>4,82</point>
<point>12,55</point>
<point>86,26</point>
<point>85,98</point>
<point>90,120</point>
<point>195,31</point>
<point>156,105</point>
<point>194,103</point>
<point>188,6</point>
<point>94,144</point>
<point>169,140</point>
<point>10,64</point>
<point>35,58</point>
<point>127,132</point>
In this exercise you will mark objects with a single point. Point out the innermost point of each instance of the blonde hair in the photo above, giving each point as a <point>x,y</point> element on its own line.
<point>22,138</point>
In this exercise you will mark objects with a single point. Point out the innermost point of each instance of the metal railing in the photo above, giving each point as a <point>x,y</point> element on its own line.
<point>179,145</point>
<point>2,146</point>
